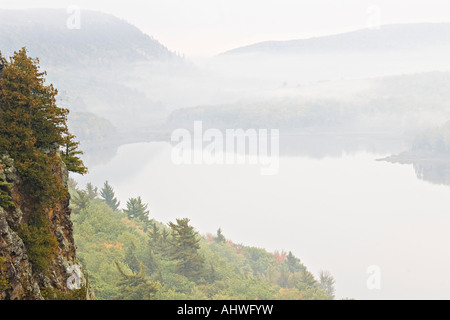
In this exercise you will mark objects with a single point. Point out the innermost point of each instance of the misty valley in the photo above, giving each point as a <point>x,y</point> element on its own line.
<point>306,169</point>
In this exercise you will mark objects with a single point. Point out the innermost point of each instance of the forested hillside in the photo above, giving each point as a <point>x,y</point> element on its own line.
<point>129,255</point>
<point>93,63</point>
<point>94,39</point>
<point>404,105</point>
<point>397,37</point>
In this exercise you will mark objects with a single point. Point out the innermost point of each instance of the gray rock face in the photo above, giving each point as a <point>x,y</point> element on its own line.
<point>18,280</point>
<point>16,269</point>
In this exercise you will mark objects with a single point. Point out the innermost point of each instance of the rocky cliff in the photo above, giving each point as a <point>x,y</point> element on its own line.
<point>18,280</point>
<point>63,277</point>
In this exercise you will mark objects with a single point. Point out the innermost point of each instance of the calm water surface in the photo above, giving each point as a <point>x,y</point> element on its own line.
<point>341,214</point>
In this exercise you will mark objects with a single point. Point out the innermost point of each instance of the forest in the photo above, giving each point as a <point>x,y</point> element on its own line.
<point>434,141</point>
<point>130,255</point>
<point>402,105</point>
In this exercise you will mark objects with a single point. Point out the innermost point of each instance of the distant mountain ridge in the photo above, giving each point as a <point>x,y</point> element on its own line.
<point>94,66</point>
<point>387,37</point>
<point>101,38</point>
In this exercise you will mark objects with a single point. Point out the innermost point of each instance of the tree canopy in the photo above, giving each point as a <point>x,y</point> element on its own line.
<point>33,130</point>
<point>107,194</point>
<point>181,264</point>
<point>136,209</point>
<point>35,135</point>
<point>185,249</point>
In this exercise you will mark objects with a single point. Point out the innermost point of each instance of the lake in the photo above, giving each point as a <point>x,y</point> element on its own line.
<point>345,213</point>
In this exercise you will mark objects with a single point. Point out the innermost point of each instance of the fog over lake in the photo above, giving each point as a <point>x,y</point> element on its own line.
<point>339,110</point>
<point>342,213</point>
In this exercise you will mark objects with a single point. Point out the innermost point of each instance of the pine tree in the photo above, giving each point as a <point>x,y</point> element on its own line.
<point>212,274</point>
<point>327,283</point>
<point>108,195</point>
<point>158,241</point>
<point>136,209</point>
<point>80,201</point>
<point>33,128</point>
<point>29,107</point>
<point>220,237</point>
<point>165,244</point>
<point>293,263</point>
<point>130,258</point>
<point>185,247</point>
<point>29,110</point>
<point>154,238</point>
<point>307,280</point>
<point>71,155</point>
<point>151,263</point>
<point>91,191</point>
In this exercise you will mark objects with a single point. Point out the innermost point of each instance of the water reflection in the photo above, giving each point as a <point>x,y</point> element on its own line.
<point>341,214</point>
<point>436,172</point>
<point>310,145</point>
<point>335,145</point>
<point>432,169</point>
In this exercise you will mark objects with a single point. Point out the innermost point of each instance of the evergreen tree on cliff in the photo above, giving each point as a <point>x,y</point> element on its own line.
<point>34,133</point>
<point>34,128</point>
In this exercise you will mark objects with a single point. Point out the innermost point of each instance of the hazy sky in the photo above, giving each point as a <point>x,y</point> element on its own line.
<point>208,27</point>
